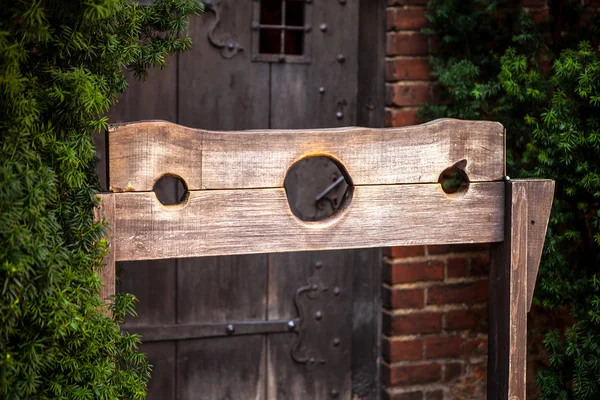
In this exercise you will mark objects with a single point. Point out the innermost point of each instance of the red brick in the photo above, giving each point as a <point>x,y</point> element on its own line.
<point>456,267</point>
<point>435,395</point>
<point>476,347</point>
<point>452,371</point>
<point>407,69</point>
<point>402,396</point>
<point>414,272</point>
<point>413,94</point>
<point>406,18</point>
<point>403,298</point>
<point>480,266</point>
<point>480,371</point>
<point>402,117</point>
<point>460,293</point>
<point>439,249</point>
<point>475,319</point>
<point>406,44</point>
<point>412,374</point>
<point>443,346</point>
<point>402,350</point>
<point>405,251</point>
<point>411,324</point>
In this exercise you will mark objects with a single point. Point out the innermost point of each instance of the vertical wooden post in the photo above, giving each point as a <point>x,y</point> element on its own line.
<point>508,301</point>
<point>106,210</point>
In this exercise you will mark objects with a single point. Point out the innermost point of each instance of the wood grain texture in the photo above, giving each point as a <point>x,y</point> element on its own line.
<point>106,211</point>
<point>539,199</point>
<point>508,301</point>
<point>141,153</point>
<point>371,71</point>
<point>222,368</point>
<point>295,98</point>
<point>223,93</point>
<point>225,222</point>
<point>328,270</point>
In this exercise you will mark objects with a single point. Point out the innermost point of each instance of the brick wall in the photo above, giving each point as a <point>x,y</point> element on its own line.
<point>435,322</point>
<point>434,297</point>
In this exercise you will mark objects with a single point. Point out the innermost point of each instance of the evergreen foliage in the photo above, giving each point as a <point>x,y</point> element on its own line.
<point>544,86</point>
<point>61,68</point>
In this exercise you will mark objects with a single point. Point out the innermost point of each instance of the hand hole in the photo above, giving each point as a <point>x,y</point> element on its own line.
<point>312,193</point>
<point>454,180</point>
<point>170,190</point>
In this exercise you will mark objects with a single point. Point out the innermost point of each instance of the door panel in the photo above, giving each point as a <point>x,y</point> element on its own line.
<point>331,348</point>
<point>217,289</point>
<point>217,92</point>
<point>300,101</point>
<point>317,288</point>
<point>221,368</point>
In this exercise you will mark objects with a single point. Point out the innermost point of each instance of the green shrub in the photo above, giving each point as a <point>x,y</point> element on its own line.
<point>545,88</point>
<point>61,68</point>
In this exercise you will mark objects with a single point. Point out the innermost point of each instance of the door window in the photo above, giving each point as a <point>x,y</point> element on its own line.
<point>281,30</point>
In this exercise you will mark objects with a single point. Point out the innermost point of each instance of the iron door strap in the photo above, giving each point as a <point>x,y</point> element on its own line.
<point>229,47</point>
<point>310,301</point>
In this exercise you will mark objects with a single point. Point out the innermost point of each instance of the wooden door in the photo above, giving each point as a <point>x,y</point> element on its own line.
<point>267,326</point>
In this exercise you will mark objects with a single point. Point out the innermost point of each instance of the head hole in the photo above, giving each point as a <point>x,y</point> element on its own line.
<point>170,190</point>
<point>317,187</point>
<point>454,180</point>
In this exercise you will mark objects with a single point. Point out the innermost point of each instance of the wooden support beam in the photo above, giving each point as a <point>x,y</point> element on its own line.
<point>514,265</point>
<point>539,199</point>
<point>106,211</point>
<point>507,337</point>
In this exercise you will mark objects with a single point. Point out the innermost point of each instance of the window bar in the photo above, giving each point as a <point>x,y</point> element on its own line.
<point>282,41</point>
<point>283,27</point>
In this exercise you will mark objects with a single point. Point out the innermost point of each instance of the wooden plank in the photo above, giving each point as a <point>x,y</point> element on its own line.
<point>222,368</point>
<point>223,93</point>
<point>155,98</point>
<point>142,153</point>
<point>164,369</point>
<point>366,323</point>
<point>539,196</point>
<point>106,211</point>
<point>296,101</point>
<point>371,63</point>
<point>227,290</point>
<point>225,222</point>
<point>508,301</point>
<point>218,289</point>
<point>328,270</point>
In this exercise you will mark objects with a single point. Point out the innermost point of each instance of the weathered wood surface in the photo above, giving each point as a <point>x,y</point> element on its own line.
<point>141,153</point>
<point>224,222</point>
<point>508,296</point>
<point>539,200</point>
<point>328,270</point>
<point>106,211</point>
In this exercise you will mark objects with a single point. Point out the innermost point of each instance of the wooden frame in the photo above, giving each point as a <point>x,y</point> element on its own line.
<point>237,205</point>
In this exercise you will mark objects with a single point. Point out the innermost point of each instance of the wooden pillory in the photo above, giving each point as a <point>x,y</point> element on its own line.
<point>236,204</point>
